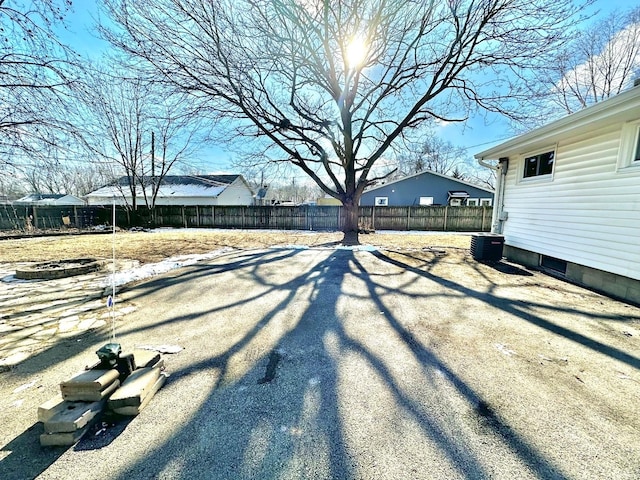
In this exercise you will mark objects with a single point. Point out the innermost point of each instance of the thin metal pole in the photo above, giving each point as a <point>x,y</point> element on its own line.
<point>113,275</point>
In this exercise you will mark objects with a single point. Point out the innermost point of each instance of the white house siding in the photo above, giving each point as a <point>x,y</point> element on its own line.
<point>588,214</point>
<point>236,194</point>
<point>186,201</point>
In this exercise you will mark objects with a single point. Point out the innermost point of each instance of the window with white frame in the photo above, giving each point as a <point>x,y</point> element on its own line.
<point>485,202</point>
<point>382,201</point>
<point>426,200</point>
<point>472,202</point>
<point>629,152</point>
<point>539,164</point>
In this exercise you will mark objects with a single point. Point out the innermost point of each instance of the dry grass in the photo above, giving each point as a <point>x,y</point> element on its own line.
<point>153,247</point>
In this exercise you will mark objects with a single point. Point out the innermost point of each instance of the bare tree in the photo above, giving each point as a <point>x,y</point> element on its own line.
<point>485,177</point>
<point>66,177</point>
<point>36,77</point>
<point>141,134</point>
<point>602,61</point>
<point>435,154</point>
<point>330,86</point>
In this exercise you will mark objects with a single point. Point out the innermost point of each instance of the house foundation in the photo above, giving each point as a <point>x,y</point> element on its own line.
<point>623,288</point>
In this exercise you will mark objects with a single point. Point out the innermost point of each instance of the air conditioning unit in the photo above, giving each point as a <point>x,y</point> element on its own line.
<point>487,246</point>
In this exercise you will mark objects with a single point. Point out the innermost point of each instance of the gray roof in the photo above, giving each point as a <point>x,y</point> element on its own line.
<point>203,180</point>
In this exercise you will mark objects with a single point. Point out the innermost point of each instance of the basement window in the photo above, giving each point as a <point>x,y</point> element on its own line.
<point>539,164</point>
<point>382,201</point>
<point>554,264</point>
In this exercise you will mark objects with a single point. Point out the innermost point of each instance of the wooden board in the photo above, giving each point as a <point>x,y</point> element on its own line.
<point>75,416</point>
<point>63,439</point>
<point>135,410</point>
<point>89,395</point>
<point>135,388</point>
<point>51,407</point>
<point>91,379</point>
<point>146,358</point>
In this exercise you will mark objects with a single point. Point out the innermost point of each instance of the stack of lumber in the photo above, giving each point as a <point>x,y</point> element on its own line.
<point>66,422</point>
<point>68,416</point>
<point>91,386</point>
<point>139,388</point>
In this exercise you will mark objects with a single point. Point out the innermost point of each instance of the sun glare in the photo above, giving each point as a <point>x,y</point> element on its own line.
<point>356,52</point>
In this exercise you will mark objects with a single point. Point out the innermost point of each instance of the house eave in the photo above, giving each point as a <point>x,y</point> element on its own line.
<point>621,108</point>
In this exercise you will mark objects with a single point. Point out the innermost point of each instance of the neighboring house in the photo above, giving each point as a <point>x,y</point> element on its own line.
<point>328,200</point>
<point>427,188</point>
<point>49,200</point>
<point>180,190</point>
<point>568,196</point>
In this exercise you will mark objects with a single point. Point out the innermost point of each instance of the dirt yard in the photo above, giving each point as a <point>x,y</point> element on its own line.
<point>152,247</point>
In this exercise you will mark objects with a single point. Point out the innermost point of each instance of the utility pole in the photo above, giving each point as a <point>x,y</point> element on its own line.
<point>153,154</point>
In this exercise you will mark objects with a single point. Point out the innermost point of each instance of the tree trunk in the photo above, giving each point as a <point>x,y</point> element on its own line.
<point>350,222</point>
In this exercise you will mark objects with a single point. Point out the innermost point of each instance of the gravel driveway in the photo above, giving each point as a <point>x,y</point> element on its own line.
<point>328,363</point>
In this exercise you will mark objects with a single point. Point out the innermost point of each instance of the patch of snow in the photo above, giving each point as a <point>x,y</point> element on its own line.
<point>25,386</point>
<point>153,269</point>
<point>504,350</point>
<point>358,248</point>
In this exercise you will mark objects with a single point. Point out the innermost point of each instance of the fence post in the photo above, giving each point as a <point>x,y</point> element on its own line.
<point>483,215</point>
<point>373,218</point>
<point>184,216</point>
<point>446,210</point>
<point>408,218</point>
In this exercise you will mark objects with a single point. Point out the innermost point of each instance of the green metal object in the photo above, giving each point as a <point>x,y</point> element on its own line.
<point>109,353</point>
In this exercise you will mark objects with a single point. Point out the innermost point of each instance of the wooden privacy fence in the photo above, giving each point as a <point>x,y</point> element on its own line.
<point>315,218</point>
<point>444,218</point>
<point>27,218</point>
<point>441,218</point>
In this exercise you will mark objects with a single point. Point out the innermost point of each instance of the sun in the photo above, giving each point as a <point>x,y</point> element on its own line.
<point>356,52</point>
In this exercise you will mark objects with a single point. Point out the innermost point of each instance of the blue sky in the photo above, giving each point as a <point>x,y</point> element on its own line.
<point>476,134</point>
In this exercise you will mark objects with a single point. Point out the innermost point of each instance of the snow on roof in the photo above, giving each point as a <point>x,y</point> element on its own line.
<point>165,191</point>
<point>55,199</point>
<point>172,186</point>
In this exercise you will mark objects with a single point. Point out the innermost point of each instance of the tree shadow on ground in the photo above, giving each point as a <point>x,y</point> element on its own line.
<point>290,391</point>
<point>25,459</point>
<point>251,428</point>
<point>525,312</point>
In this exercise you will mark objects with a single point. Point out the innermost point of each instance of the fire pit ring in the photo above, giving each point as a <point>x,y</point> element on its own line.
<point>58,269</point>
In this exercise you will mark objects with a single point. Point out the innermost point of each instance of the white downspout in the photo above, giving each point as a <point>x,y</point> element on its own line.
<point>499,215</point>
